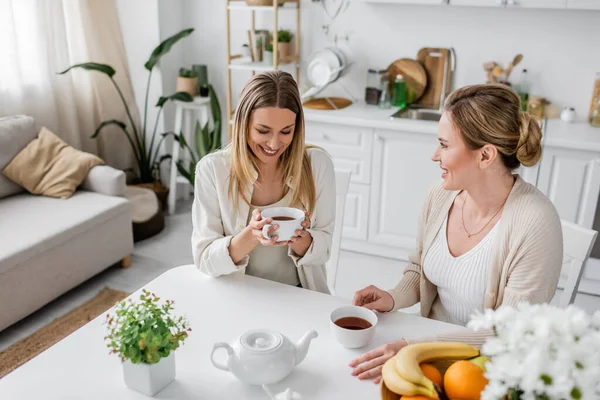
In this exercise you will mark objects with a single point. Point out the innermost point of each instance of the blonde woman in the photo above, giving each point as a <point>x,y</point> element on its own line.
<point>266,165</point>
<point>486,238</point>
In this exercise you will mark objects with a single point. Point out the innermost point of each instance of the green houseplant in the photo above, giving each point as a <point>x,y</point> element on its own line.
<point>145,335</point>
<point>284,44</point>
<point>268,54</point>
<point>142,141</point>
<point>206,140</point>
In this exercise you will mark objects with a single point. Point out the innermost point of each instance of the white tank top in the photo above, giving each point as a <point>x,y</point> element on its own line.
<point>461,281</point>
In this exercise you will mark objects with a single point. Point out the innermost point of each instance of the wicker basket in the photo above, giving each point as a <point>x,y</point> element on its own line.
<point>263,2</point>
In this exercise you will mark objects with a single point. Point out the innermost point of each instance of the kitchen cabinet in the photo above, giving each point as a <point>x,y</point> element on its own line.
<point>356,214</point>
<point>583,4</point>
<point>571,179</point>
<point>559,4</point>
<point>402,175</point>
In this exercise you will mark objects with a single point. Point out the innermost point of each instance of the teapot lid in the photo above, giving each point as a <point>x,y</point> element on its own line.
<point>261,341</point>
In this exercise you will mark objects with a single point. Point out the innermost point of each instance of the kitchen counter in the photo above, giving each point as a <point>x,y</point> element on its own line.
<point>577,135</point>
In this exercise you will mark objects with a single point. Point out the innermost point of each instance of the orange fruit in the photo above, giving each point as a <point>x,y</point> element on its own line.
<point>464,381</point>
<point>432,373</point>
<point>418,397</point>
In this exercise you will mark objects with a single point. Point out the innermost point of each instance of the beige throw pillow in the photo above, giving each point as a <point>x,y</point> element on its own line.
<point>50,167</point>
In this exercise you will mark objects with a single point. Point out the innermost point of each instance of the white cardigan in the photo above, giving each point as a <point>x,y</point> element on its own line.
<point>215,221</point>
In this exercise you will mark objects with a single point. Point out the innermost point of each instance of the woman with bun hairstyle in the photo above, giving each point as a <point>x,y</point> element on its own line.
<point>486,238</point>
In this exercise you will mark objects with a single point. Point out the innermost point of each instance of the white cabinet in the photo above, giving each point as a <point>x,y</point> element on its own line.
<point>478,3</point>
<point>536,4</point>
<point>583,4</point>
<point>351,148</point>
<point>571,179</point>
<point>356,214</point>
<point>402,174</point>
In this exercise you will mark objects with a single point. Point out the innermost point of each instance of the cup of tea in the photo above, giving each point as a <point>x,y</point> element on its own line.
<point>289,220</point>
<point>352,326</point>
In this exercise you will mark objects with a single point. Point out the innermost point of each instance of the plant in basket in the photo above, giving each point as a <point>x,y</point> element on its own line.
<point>145,335</point>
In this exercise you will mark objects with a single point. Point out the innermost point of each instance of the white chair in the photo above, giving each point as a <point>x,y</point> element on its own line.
<point>342,182</point>
<point>577,246</point>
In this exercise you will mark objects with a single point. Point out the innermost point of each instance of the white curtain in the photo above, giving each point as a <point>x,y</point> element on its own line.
<point>38,39</point>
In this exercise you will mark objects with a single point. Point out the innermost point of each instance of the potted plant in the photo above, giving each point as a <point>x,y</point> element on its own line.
<point>268,56</point>
<point>245,50</point>
<point>284,44</point>
<point>541,352</point>
<point>187,81</point>
<point>142,139</point>
<point>259,49</point>
<point>145,336</point>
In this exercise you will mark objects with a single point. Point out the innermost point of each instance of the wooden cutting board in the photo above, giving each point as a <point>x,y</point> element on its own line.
<point>414,75</point>
<point>434,59</point>
<point>327,103</point>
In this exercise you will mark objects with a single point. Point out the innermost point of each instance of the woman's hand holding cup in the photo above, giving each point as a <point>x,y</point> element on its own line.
<point>257,223</point>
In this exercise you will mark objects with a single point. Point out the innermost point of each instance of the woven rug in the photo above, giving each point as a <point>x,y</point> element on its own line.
<point>25,349</point>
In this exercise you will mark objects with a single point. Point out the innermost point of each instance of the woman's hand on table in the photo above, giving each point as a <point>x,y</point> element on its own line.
<point>303,239</point>
<point>369,365</point>
<point>374,299</point>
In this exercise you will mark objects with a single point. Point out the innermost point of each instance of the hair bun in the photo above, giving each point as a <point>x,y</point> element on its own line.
<point>529,149</point>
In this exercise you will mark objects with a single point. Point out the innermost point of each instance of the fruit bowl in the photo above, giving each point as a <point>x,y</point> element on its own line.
<point>387,394</point>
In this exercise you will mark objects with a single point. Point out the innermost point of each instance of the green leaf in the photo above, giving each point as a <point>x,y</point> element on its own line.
<point>181,96</point>
<point>92,66</point>
<point>546,379</point>
<point>110,122</point>
<point>165,47</point>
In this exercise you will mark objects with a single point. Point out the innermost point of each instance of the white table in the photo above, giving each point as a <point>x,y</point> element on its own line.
<point>79,366</point>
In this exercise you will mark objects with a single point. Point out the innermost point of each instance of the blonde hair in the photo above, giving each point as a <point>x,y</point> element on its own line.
<point>271,89</point>
<point>491,114</point>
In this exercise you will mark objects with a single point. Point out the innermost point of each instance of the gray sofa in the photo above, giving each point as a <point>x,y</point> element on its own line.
<point>48,245</point>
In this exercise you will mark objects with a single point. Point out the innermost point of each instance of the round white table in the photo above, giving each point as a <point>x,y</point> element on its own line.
<point>218,309</point>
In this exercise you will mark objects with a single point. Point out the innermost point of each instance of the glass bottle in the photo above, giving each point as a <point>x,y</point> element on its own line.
<point>373,90</point>
<point>399,92</point>
<point>385,98</point>
<point>595,115</point>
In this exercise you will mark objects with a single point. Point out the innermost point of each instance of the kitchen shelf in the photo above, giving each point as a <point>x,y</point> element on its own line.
<point>235,62</point>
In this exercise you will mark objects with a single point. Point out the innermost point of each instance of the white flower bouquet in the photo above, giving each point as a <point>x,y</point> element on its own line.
<point>541,352</point>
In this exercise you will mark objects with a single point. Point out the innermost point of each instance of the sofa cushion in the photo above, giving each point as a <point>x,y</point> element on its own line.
<point>50,167</point>
<point>15,133</point>
<point>33,224</point>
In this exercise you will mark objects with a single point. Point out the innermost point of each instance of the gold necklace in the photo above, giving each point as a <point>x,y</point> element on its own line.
<point>462,217</point>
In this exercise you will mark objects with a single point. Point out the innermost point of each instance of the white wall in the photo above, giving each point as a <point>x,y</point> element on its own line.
<point>141,34</point>
<point>560,47</point>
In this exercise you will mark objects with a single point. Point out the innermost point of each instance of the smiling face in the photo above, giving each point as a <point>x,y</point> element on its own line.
<point>271,133</point>
<point>459,164</point>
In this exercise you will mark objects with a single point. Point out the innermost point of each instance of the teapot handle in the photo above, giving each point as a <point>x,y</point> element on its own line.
<point>216,347</point>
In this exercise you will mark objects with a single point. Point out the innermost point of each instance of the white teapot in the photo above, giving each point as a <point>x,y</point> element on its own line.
<point>263,357</point>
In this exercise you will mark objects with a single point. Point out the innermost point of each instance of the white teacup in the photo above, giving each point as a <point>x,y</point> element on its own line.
<point>287,227</point>
<point>353,338</point>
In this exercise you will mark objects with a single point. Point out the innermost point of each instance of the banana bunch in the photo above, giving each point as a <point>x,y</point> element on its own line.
<point>402,373</point>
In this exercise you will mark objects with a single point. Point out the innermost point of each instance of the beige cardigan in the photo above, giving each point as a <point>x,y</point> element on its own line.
<point>527,257</point>
<point>215,220</point>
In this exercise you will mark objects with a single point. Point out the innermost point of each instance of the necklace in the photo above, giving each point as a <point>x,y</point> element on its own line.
<point>462,217</point>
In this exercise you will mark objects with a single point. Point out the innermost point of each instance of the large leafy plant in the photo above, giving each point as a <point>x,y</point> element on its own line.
<point>206,140</point>
<point>145,332</point>
<point>146,155</point>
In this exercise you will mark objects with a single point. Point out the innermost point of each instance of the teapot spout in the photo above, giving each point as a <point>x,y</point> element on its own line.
<point>303,345</point>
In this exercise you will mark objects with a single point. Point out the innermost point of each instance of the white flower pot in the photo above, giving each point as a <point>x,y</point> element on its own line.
<point>245,51</point>
<point>149,379</point>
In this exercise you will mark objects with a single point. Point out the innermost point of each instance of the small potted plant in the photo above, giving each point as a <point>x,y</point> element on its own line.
<point>187,81</point>
<point>145,335</point>
<point>268,56</point>
<point>245,50</point>
<point>284,44</point>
